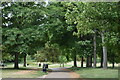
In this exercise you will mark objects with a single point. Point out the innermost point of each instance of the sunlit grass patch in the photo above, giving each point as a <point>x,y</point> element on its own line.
<point>96,72</point>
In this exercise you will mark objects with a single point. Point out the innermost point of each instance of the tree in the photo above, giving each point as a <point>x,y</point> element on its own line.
<point>90,16</point>
<point>95,55</point>
<point>62,60</point>
<point>18,23</point>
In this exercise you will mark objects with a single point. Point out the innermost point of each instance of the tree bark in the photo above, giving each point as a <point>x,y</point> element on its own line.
<point>101,61</point>
<point>25,55</point>
<point>75,61</point>
<point>94,53</point>
<point>63,64</point>
<point>87,61</point>
<point>104,51</point>
<point>113,62</point>
<point>60,64</point>
<point>82,59</point>
<point>90,61</point>
<point>16,66</point>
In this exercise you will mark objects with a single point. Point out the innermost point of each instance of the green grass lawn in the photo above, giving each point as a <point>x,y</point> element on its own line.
<point>22,73</point>
<point>58,65</point>
<point>96,72</point>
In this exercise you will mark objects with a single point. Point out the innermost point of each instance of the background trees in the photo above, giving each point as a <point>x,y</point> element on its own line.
<point>71,30</point>
<point>92,17</point>
<point>20,32</point>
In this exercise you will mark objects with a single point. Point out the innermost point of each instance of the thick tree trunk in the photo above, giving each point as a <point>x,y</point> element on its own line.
<point>75,61</point>
<point>67,57</point>
<point>82,59</point>
<point>104,51</point>
<point>87,61</point>
<point>90,61</point>
<point>16,66</point>
<point>25,55</point>
<point>94,53</point>
<point>60,64</point>
<point>101,61</point>
<point>113,62</point>
<point>63,64</point>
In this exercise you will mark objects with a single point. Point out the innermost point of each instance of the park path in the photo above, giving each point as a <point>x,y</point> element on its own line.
<point>61,73</point>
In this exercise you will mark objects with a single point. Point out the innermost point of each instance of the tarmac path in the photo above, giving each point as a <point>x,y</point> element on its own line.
<point>61,73</point>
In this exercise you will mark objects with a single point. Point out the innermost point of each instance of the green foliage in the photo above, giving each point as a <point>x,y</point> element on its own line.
<point>62,59</point>
<point>50,53</point>
<point>95,17</point>
<point>19,26</point>
<point>6,57</point>
<point>59,29</point>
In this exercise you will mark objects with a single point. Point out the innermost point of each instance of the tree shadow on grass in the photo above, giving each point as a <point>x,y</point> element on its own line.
<point>89,68</point>
<point>20,69</point>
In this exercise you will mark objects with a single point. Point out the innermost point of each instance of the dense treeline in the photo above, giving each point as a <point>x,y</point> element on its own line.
<point>61,32</point>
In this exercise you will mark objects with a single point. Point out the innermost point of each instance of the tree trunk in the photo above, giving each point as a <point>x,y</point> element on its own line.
<point>63,64</point>
<point>104,51</point>
<point>82,59</point>
<point>90,61</point>
<point>60,64</point>
<point>94,53</point>
<point>87,61</point>
<point>25,55</point>
<point>113,62</point>
<point>75,61</point>
<point>16,66</point>
<point>101,61</point>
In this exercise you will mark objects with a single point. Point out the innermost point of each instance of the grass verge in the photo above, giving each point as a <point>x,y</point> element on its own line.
<point>96,72</point>
<point>22,73</point>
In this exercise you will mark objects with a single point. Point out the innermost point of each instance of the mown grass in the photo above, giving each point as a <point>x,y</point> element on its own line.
<point>96,72</point>
<point>58,65</point>
<point>21,73</point>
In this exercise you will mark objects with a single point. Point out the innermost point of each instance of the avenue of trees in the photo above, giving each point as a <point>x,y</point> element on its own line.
<point>60,32</point>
